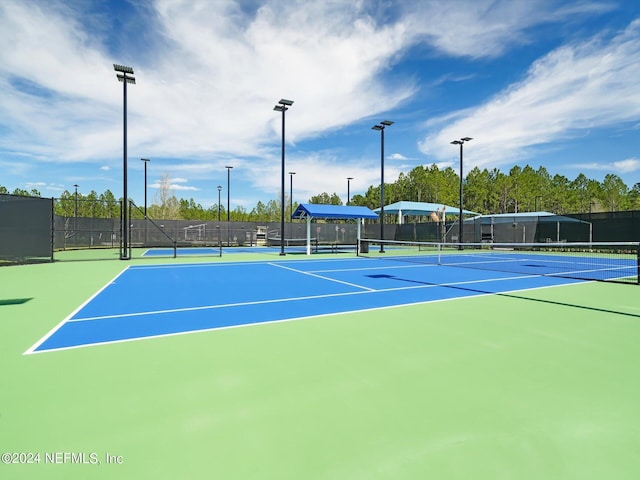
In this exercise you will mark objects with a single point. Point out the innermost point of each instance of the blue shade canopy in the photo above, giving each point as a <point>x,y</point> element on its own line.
<point>315,210</point>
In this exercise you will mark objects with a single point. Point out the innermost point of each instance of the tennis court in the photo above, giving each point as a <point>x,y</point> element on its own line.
<point>252,365</point>
<point>196,297</point>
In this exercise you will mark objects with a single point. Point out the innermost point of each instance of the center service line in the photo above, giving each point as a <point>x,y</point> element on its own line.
<point>322,277</point>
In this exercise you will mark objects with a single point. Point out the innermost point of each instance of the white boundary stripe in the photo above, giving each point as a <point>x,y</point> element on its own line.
<point>292,299</point>
<point>311,274</point>
<point>68,317</point>
<point>213,307</point>
<point>270,322</point>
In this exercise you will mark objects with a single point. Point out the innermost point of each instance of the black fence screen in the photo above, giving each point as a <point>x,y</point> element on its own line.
<point>74,233</point>
<point>501,229</point>
<point>613,226</point>
<point>162,233</point>
<point>25,229</point>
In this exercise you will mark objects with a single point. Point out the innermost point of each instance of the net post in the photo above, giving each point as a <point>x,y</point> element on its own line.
<point>119,236</point>
<point>53,228</point>
<point>129,230</point>
<point>638,262</point>
<point>175,249</point>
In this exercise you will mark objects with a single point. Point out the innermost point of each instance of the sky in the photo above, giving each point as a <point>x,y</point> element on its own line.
<point>533,82</point>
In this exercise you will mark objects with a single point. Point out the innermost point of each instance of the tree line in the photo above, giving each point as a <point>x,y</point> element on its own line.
<point>492,191</point>
<point>485,191</point>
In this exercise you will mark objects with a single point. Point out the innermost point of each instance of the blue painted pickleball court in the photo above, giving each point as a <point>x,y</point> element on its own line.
<point>215,251</point>
<point>146,301</point>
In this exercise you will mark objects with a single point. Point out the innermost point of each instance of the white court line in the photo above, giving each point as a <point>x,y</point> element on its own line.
<point>294,299</point>
<point>322,277</point>
<point>293,319</point>
<point>66,319</point>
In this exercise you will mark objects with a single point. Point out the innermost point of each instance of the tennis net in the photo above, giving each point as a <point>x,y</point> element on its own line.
<point>612,262</point>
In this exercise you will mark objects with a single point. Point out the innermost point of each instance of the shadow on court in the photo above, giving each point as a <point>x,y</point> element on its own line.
<point>502,294</point>
<point>14,301</point>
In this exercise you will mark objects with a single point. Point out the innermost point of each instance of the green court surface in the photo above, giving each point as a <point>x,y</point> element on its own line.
<point>538,384</point>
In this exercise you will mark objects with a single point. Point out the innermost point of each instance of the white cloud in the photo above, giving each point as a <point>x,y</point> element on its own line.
<point>183,188</point>
<point>628,165</point>
<point>210,73</point>
<point>568,91</point>
<point>175,186</point>
<point>622,166</point>
<point>44,186</point>
<point>487,28</point>
<point>321,172</point>
<point>397,156</point>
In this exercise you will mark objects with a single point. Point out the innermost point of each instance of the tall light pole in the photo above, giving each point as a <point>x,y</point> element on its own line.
<point>228,167</point>
<point>76,209</point>
<point>349,189</point>
<point>228,190</point>
<point>460,221</point>
<point>291,174</point>
<point>219,190</point>
<point>125,76</point>
<point>145,160</point>
<point>282,107</point>
<point>381,127</point>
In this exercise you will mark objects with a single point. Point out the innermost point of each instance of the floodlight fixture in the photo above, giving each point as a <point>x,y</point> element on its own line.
<point>386,123</point>
<point>122,68</point>
<point>284,101</point>
<point>123,78</point>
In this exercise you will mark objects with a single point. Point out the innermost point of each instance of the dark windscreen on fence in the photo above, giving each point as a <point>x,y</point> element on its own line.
<point>25,229</point>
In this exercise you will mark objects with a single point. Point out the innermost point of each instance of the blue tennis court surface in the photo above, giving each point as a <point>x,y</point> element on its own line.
<point>215,251</point>
<point>156,300</point>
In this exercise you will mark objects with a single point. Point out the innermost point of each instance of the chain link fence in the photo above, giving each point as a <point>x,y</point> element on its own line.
<point>31,232</point>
